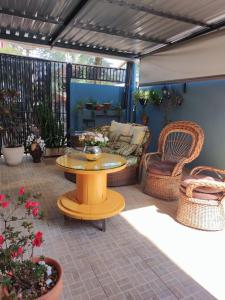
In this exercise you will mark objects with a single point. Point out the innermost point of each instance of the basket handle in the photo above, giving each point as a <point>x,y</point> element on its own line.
<point>203,183</point>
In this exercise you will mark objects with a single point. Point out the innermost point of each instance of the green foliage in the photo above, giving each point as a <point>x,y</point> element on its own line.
<point>11,122</point>
<point>141,95</point>
<point>18,273</point>
<point>52,130</point>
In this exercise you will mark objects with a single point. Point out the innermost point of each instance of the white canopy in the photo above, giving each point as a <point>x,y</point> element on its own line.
<point>201,57</point>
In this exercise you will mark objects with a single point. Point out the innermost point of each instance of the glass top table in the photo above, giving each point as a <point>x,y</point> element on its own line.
<point>76,161</point>
<point>91,200</point>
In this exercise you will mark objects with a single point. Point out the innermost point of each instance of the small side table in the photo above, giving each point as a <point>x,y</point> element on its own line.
<point>91,200</point>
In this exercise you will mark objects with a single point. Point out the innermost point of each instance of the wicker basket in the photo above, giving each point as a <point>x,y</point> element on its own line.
<point>162,187</point>
<point>200,214</point>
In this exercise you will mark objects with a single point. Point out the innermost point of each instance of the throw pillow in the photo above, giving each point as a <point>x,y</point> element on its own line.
<point>138,133</point>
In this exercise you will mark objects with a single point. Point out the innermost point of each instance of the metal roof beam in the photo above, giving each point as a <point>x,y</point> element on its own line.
<point>18,34</point>
<point>159,13</point>
<point>96,49</point>
<point>25,15</point>
<point>118,32</point>
<point>67,21</point>
<point>22,37</point>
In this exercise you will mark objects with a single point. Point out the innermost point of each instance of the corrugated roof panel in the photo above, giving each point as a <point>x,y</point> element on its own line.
<point>203,10</point>
<point>135,28</point>
<point>105,40</point>
<point>26,25</point>
<point>57,9</point>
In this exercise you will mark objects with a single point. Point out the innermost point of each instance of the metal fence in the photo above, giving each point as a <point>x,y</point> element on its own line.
<point>41,81</point>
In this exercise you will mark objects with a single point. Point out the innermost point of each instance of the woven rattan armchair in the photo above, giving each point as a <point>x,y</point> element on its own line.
<point>200,203</point>
<point>179,143</point>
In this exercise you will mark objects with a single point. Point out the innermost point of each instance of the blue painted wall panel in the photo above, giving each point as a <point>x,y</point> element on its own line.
<point>97,92</point>
<point>204,103</point>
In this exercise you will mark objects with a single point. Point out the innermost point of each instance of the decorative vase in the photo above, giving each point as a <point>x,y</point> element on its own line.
<point>36,153</point>
<point>55,292</point>
<point>13,155</point>
<point>89,105</point>
<point>92,152</point>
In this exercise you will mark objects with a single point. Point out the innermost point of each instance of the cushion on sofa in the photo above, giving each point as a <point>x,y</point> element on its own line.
<point>116,129</point>
<point>138,133</point>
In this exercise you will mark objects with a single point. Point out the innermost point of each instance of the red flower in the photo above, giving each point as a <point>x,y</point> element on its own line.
<point>35,211</point>
<point>37,241</point>
<point>1,240</point>
<point>30,204</point>
<point>5,204</point>
<point>17,253</point>
<point>20,251</point>
<point>21,191</point>
<point>2,197</point>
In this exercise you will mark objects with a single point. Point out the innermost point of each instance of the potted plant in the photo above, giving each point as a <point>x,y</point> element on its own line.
<point>141,96</point>
<point>11,126</point>
<point>23,276</point>
<point>106,106</point>
<point>51,129</point>
<point>93,142</point>
<point>99,106</point>
<point>35,146</point>
<point>171,99</point>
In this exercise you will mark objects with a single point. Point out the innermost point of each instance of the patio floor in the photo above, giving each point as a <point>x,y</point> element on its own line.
<point>144,253</point>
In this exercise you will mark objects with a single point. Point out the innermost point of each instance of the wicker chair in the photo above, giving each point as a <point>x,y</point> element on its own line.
<point>200,203</point>
<point>127,176</point>
<point>179,143</point>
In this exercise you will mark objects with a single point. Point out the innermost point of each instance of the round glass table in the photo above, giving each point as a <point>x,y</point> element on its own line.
<point>91,200</point>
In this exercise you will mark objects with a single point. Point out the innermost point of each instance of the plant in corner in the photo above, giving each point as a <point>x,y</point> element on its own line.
<point>11,126</point>
<point>23,276</point>
<point>51,129</point>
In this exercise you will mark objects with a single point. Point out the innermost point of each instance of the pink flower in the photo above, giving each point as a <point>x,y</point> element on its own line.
<point>20,251</point>
<point>2,197</point>
<point>37,241</point>
<point>5,204</point>
<point>1,240</point>
<point>21,191</point>
<point>35,211</point>
<point>30,204</point>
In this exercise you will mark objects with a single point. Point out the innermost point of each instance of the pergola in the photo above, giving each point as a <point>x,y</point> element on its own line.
<point>126,28</point>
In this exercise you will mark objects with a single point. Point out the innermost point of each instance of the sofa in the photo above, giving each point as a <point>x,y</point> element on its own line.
<point>128,140</point>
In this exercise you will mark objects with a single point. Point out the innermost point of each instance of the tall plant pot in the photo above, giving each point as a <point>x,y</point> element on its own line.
<point>36,154</point>
<point>13,156</point>
<point>55,292</point>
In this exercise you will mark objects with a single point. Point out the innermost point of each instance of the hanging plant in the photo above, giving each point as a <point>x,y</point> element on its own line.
<point>141,96</point>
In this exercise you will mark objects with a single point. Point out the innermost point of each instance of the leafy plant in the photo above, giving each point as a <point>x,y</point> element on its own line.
<point>155,97</point>
<point>141,96</point>
<point>11,122</point>
<point>96,139</point>
<point>52,130</point>
<point>23,278</point>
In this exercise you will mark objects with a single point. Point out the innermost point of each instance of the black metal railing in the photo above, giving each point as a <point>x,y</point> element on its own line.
<point>40,81</point>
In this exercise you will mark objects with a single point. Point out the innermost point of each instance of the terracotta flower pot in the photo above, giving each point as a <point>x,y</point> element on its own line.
<point>55,292</point>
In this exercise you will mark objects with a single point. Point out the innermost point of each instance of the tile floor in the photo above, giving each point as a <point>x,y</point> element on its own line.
<point>144,253</point>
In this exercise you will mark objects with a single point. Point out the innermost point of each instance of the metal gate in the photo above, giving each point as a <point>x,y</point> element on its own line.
<point>41,81</point>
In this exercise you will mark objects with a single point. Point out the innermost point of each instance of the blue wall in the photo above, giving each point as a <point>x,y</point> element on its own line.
<point>97,92</point>
<point>204,103</point>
